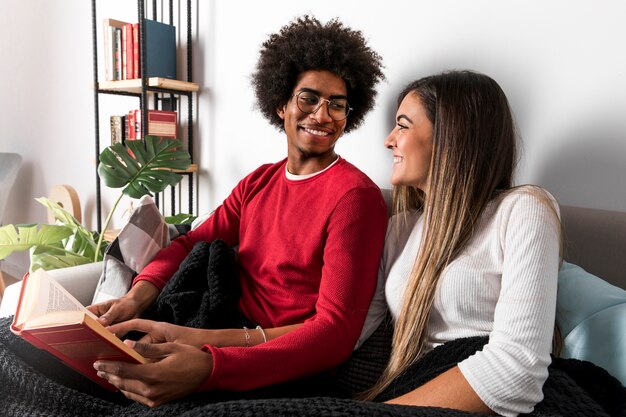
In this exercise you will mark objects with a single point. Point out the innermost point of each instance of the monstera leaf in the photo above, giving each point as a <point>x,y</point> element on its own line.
<point>140,169</point>
<point>143,170</point>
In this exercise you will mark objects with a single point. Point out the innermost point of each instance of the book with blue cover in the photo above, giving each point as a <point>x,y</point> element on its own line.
<point>160,49</point>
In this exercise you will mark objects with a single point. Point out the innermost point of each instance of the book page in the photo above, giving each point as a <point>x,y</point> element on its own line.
<point>43,296</point>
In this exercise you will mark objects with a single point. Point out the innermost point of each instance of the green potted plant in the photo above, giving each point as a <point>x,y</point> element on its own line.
<point>68,243</point>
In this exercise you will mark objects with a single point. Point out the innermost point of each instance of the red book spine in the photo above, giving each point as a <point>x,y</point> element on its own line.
<point>132,128</point>
<point>131,133</point>
<point>129,50</point>
<point>123,53</point>
<point>136,54</point>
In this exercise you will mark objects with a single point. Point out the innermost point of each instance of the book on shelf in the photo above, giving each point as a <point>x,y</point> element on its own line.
<point>50,318</point>
<point>132,128</point>
<point>161,123</point>
<point>136,66</point>
<point>160,49</point>
<point>118,54</point>
<point>131,125</point>
<point>122,53</point>
<point>118,131</point>
<point>137,119</point>
<point>129,48</point>
<point>112,35</point>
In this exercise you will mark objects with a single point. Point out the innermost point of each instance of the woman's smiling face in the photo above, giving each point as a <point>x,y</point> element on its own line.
<point>411,141</point>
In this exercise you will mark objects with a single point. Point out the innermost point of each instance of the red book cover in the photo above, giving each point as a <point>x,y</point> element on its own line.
<point>129,48</point>
<point>78,345</point>
<point>74,336</point>
<point>123,53</point>
<point>136,54</point>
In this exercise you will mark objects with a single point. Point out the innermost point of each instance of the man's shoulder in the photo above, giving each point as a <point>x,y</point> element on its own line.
<point>349,185</point>
<point>264,171</point>
<point>352,176</point>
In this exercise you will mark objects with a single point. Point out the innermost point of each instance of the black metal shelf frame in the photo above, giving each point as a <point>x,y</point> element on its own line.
<point>157,92</point>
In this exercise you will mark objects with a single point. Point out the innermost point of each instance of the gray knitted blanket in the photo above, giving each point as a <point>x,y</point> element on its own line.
<point>574,388</point>
<point>34,383</point>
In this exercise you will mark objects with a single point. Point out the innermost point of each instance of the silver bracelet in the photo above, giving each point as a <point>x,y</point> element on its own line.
<point>245,330</point>
<point>262,333</point>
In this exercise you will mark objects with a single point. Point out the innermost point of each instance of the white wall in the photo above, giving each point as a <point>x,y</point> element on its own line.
<point>561,63</point>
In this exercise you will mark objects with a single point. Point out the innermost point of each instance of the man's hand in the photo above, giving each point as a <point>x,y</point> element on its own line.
<point>140,297</point>
<point>178,370</point>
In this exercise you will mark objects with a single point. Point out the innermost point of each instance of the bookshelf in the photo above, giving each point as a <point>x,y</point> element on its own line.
<point>154,93</point>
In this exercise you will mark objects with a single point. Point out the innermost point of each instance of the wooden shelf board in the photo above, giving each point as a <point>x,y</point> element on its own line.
<point>134,86</point>
<point>191,168</point>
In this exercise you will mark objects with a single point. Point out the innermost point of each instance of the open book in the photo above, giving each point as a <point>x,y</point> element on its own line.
<point>50,318</point>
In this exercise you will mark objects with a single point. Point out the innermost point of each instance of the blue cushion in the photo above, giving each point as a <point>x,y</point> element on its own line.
<point>592,317</point>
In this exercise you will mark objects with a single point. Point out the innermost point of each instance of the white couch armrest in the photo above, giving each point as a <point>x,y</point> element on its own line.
<point>9,299</point>
<point>80,281</point>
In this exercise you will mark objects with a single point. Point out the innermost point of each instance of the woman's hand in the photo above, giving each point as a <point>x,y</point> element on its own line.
<point>140,297</point>
<point>160,332</point>
<point>178,370</point>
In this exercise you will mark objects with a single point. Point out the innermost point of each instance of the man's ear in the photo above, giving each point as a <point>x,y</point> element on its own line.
<point>280,111</point>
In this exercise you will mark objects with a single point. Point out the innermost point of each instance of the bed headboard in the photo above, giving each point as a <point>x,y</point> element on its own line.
<point>593,239</point>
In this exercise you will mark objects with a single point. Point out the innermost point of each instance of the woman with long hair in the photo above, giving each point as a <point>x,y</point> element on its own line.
<point>467,253</point>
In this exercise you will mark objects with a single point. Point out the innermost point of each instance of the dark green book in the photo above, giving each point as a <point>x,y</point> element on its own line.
<point>160,49</point>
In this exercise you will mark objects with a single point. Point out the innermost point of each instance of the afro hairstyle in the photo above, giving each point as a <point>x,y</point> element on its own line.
<point>304,45</point>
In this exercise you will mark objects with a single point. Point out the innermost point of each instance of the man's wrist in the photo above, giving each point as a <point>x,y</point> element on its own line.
<point>143,293</point>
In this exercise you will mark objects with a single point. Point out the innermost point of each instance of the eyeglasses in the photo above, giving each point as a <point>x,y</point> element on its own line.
<point>308,102</point>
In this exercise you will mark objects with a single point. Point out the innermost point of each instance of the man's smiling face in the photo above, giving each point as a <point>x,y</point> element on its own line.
<point>313,136</point>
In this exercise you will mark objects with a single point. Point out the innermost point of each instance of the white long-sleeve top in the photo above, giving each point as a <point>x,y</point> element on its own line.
<point>503,284</point>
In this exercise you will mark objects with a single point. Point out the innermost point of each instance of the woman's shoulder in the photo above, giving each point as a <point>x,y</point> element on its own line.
<point>401,226</point>
<point>526,196</point>
<point>406,219</point>
<point>526,206</point>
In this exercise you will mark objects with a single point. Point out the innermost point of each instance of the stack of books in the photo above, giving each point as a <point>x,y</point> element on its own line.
<point>161,123</point>
<point>122,50</point>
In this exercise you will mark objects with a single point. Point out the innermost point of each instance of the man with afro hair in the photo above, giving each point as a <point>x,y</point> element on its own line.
<point>309,230</point>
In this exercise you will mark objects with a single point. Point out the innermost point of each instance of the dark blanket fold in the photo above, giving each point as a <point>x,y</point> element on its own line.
<point>204,292</point>
<point>33,383</point>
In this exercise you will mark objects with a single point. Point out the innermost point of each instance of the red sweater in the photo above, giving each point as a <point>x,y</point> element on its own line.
<point>308,252</point>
